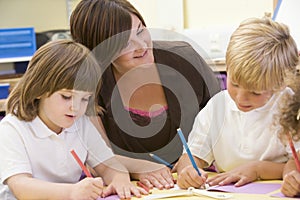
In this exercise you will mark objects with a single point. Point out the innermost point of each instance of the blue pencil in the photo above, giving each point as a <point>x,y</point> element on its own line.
<point>276,10</point>
<point>157,158</point>
<point>188,150</point>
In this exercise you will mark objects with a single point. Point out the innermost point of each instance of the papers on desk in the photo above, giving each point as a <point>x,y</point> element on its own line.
<point>280,195</point>
<point>214,191</point>
<point>250,188</point>
<point>111,197</point>
<point>189,192</point>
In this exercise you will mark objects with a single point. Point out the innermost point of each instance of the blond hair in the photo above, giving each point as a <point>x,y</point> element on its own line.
<point>260,53</point>
<point>62,64</point>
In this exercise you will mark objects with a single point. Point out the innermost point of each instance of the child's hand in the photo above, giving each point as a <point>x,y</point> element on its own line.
<point>88,188</point>
<point>161,178</point>
<point>240,176</point>
<point>189,177</point>
<point>291,184</point>
<point>122,186</point>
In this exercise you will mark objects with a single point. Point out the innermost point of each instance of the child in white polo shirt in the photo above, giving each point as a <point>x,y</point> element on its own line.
<point>234,131</point>
<point>46,119</point>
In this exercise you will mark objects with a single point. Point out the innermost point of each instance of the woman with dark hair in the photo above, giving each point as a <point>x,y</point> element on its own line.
<point>150,88</point>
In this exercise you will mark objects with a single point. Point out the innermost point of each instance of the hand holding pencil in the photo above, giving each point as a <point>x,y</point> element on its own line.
<point>291,179</point>
<point>187,177</point>
<point>87,187</point>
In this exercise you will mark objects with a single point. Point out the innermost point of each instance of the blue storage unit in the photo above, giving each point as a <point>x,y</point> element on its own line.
<point>17,42</point>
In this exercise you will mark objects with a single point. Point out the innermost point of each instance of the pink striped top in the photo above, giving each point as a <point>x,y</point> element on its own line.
<point>146,113</point>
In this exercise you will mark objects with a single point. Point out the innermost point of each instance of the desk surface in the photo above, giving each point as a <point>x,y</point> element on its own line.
<point>235,196</point>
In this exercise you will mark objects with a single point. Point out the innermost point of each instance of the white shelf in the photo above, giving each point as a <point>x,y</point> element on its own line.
<point>17,59</point>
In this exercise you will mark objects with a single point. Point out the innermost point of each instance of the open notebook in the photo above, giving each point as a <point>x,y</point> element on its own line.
<point>111,197</point>
<point>214,191</point>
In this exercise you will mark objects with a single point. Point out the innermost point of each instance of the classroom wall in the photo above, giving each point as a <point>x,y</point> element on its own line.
<point>207,25</point>
<point>200,13</point>
<point>171,14</point>
<point>41,14</point>
<point>206,22</point>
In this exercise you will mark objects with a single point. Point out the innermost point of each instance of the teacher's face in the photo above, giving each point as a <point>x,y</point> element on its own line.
<point>138,52</point>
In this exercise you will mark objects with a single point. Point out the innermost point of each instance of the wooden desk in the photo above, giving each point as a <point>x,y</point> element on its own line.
<point>235,196</point>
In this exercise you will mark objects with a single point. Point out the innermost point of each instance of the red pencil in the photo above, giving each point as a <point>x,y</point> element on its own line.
<point>294,153</point>
<point>84,169</point>
<point>143,186</point>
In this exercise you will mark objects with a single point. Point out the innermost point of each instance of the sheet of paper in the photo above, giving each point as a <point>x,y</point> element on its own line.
<point>111,197</point>
<point>251,188</point>
<point>279,194</point>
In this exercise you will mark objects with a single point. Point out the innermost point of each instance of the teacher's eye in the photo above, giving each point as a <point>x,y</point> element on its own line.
<point>140,31</point>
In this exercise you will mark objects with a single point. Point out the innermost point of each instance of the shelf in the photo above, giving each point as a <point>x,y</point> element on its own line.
<point>17,59</point>
<point>218,68</point>
<point>2,103</point>
<point>12,81</point>
<point>217,65</point>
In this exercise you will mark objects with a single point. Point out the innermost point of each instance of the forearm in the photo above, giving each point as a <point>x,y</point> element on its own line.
<point>31,188</point>
<point>269,170</point>
<point>110,169</point>
<point>139,166</point>
<point>185,161</point>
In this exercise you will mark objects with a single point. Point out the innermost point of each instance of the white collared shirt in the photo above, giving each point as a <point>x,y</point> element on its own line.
<point>31,147</point>
<point>230,137</point>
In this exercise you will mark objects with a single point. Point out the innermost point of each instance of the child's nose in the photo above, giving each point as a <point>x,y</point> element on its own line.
<point>75,105</point>
<point>242,95</point>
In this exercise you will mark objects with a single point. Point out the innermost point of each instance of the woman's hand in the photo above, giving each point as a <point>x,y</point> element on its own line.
<point>122,186</point>
<point>160,178</point>
<point>291,184</point>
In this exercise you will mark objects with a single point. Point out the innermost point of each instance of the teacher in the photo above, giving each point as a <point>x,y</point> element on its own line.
<point>150,88</point>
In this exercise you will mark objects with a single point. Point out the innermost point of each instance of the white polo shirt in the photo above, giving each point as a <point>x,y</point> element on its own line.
<point>230,137</point>
<point>30,147</point>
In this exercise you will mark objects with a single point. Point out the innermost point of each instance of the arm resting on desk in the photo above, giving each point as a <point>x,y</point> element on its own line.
<point>249,172</point>
<point>150,173</point>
